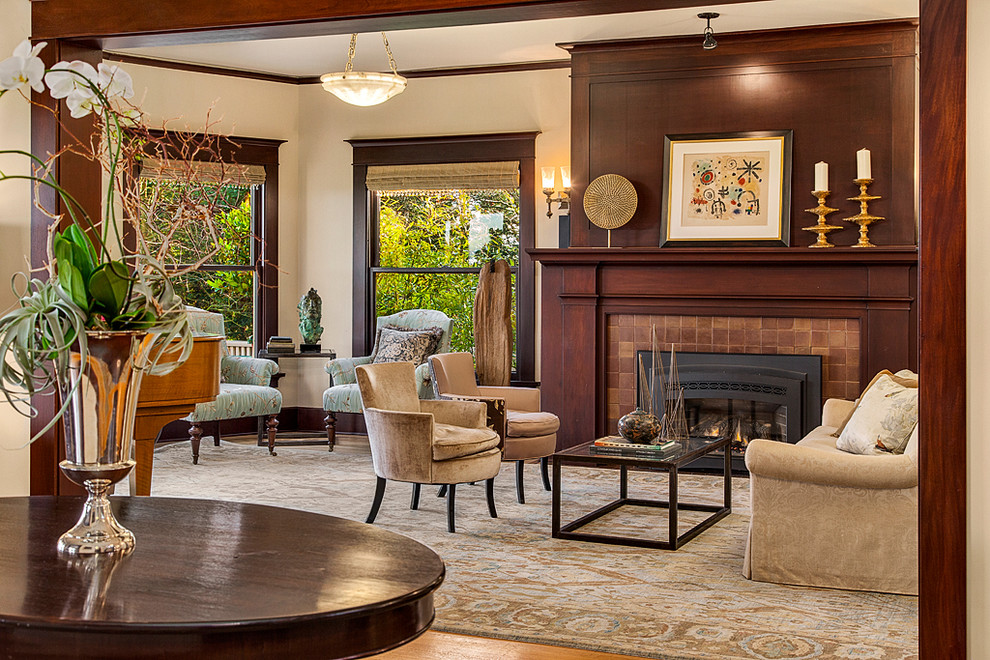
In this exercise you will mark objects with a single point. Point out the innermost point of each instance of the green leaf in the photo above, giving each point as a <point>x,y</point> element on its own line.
<point>108,287</point>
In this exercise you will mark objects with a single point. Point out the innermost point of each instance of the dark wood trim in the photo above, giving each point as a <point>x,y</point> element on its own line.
<point>121,24</point>
<point>202,68</point>
<point>448,149</point>
<point>315,80</point>
<point>942,511</point>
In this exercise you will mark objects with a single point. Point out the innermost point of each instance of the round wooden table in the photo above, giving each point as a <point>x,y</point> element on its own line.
<point>210,579</point>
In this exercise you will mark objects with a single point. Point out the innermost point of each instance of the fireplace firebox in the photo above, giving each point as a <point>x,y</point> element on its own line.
<point>744,397</point>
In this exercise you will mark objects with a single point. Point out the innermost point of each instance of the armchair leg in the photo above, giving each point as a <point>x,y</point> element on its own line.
<point>195,434</point>
<point>331,423</point>
<point>216,433</point>
<point>272,426</point>
<point>414,502</point>
<point>377,503</point>
<point>544,462</point>
<point>490,494</point>
<point>443,491</point>
<point>450,507</point>
<point>520,495</point>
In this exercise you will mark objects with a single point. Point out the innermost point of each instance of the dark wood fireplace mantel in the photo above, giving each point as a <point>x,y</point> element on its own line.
<point>582,287</point>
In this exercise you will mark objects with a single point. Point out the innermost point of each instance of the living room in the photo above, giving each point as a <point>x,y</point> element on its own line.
<point>315,200</point>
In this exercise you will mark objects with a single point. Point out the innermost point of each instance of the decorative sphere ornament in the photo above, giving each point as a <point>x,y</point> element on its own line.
<point>639,426</point>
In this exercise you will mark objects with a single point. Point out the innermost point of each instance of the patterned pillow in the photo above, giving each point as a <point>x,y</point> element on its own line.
<point>904,377</point>
<point>414,346</point>
<point>884,419</point>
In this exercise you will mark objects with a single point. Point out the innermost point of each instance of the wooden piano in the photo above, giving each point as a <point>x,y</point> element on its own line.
<point>164,399</point>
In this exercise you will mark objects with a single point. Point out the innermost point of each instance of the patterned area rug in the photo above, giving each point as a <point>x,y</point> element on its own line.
<point>506,578</point>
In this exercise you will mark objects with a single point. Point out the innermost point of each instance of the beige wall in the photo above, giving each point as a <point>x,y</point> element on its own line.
<point>977,322</point>
<point>491,103</point>
<point>15,239</point>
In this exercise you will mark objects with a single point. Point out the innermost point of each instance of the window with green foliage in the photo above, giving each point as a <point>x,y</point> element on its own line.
<point>431,246</point>
<point>225,281</point>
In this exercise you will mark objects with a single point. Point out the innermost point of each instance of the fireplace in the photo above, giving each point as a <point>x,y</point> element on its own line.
<point>745,397</point>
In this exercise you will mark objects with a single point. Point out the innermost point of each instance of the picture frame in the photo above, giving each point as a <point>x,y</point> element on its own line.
<point>731,189</point>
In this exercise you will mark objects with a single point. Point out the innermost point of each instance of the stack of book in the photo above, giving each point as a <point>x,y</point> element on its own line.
<point>616,445</point>
<point>281,345</point>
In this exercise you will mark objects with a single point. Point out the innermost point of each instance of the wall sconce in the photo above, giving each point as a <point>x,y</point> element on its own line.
<point>709,43</point>
<point>549,187</point>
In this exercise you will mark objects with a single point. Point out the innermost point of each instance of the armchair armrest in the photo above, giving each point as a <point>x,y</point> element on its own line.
<point>470,414</point>
<point>401,443</point>
<point>787,462</point>
<point>424,381</point>
<point>341,370</point>
<point>247,370</point>
<point>836,411</point>
<point>516,398</point>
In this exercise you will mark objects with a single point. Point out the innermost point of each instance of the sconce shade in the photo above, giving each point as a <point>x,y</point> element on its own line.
<point>565,178</point>
<point>363,88</point>
<point>548,174</point>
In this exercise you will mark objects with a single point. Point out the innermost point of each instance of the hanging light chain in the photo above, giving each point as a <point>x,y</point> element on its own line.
<point>350,54</point>
<point>388,51</point>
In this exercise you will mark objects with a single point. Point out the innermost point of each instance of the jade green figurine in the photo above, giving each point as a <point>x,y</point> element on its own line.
<point>310,312</point>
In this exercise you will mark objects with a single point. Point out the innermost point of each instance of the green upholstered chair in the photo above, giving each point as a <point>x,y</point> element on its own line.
<point>245,388</point>
<point>344,396</point>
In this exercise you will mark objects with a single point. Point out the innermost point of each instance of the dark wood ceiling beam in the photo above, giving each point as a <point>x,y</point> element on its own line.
<point>124,23</point>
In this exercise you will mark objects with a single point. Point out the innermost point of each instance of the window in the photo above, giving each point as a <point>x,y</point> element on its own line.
<point>429,212</point>
<point>239,280</point>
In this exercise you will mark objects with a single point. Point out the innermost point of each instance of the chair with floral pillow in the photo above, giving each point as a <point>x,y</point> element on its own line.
<point>245,389</point>
<point>409,336</point>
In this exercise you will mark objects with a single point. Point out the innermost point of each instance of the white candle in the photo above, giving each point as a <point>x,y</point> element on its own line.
<point>863,170</point>
<point>821,175</point>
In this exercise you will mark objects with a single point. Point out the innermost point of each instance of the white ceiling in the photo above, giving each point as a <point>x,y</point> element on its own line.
<point>507,43</point>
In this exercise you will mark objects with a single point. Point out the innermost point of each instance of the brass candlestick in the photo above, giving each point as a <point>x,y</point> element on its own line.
<point>822,229</point>
<point>863,218</point>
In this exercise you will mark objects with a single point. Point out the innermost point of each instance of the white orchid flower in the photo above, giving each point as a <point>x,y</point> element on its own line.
<point>67,77</point>
<point>114,81</point>
<point>23,68</point>
<point>81,103</point>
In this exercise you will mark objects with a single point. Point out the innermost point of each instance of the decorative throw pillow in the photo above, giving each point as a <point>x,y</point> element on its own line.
<point>904,377</point>
<point>884,419</point>
<point>406,345</point>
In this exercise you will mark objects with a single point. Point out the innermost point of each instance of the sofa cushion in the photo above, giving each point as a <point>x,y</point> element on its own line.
<point>883,420</point>
<point>414,346</point>
<point>904,377</point>
<point>457,441</point>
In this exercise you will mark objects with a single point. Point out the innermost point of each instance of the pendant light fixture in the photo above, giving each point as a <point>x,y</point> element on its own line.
<point>364,87</point>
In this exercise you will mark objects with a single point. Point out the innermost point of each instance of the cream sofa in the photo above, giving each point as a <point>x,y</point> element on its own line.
<point>826,518</point>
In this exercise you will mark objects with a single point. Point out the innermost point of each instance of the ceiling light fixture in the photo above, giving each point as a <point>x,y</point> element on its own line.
<point>709,43</point>
<point>364,87</point>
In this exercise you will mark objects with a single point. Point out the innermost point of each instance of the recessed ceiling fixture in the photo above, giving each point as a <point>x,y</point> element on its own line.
<point>709,43</point>
<point>364,87</point>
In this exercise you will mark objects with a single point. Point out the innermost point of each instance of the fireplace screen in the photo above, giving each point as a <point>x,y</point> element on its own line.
<point>737,419</point>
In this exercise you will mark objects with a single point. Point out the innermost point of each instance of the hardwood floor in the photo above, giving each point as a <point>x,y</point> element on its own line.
<point>446,646</point>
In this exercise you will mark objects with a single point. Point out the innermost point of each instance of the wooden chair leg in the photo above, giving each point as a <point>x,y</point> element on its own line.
<point>331,423</point>
<point>544,472</point>
<point>272,426</point>
<point>490,494</point>
<point>414,502</point>
<point>377,503</point>
<point>443,491</point>
<point>195,435</point>
<point>520,495</point>
<point>450,507</point>
<point>216,433</point>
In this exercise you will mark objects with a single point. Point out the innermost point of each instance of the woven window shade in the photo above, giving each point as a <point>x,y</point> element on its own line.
<point>444,176</point>
<point>203,172</point>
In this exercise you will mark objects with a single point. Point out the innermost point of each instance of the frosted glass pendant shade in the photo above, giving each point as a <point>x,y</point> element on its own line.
<point>363,88</point>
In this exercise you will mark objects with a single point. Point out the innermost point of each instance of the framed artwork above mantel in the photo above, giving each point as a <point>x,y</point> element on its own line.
<point>731,189</point>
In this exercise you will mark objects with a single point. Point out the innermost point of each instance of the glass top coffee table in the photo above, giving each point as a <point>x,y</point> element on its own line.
<point>670,461</point>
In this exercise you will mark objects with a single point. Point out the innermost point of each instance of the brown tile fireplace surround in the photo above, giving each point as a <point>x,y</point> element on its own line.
<point>856,308</point>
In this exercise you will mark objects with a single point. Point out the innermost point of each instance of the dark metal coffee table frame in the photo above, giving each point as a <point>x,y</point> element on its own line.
<point>692,451</point>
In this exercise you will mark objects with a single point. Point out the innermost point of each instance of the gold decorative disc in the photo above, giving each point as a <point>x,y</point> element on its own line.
<point>610,201</point>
